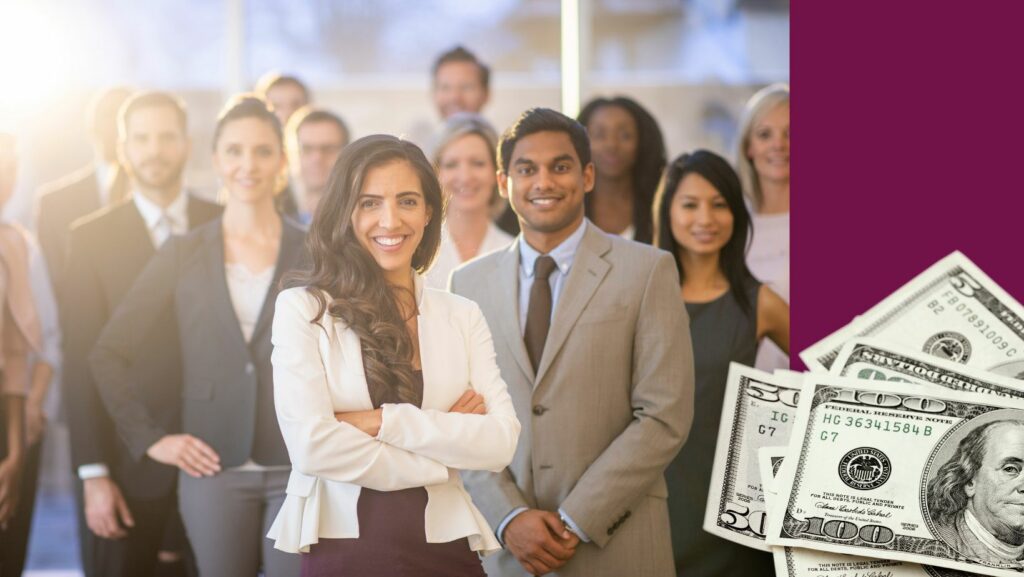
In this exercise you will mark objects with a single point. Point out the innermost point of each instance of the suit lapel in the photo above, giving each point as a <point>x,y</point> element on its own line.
<point>588,270</point>
<point>287,258</point>
<point>218,282</point>
<point>504,285</point>
<point>200,212</point>
<point>133,237</point>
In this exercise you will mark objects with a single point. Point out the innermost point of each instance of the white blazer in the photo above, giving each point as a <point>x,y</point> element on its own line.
<point>318,370</point>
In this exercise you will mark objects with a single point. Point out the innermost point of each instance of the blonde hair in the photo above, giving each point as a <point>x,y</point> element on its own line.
<point>761,102</point>
<point>459,125</point>
<point>463,124</point>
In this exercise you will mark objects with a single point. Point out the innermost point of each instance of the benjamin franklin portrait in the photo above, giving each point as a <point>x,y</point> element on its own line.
<point>976,498</point>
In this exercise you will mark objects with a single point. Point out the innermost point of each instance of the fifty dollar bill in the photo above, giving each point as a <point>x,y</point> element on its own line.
<point>757,411</point>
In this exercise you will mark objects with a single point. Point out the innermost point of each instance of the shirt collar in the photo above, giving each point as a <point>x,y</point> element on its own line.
<point>990,541</point>
<point>151,212</point>
<point>563,253</point>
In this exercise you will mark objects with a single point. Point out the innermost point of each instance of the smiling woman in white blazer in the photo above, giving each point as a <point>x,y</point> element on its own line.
<point>366,434</point>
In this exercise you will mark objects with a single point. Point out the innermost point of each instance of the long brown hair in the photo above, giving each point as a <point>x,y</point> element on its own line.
<point>341,268</point>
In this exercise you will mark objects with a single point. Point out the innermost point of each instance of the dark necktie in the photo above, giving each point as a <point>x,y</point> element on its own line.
<point>538,315</point>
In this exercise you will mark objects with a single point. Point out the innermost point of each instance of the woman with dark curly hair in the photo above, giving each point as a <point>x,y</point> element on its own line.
<point>629,155</point>
<point>384,387</point>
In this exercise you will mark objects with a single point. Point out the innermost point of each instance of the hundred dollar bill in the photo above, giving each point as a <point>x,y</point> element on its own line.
<point>757,411</point>
<point>874,359</point>
<point>794,562</point>
<point>905,472</point>
<point>952,310</point>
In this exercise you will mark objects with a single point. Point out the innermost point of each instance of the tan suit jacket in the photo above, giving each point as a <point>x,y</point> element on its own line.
<point>607,410</point>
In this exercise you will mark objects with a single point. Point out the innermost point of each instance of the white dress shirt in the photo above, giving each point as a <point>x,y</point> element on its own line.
<point>248,290</point>
<point>563,255</point>
<point>163,222</point>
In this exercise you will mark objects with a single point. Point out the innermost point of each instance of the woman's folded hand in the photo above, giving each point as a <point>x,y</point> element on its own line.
<point>366,421</point>
<point>470,403</point>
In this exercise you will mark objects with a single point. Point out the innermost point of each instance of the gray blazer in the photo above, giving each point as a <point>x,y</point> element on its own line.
<point>608,409</point>
<point>227,384</point>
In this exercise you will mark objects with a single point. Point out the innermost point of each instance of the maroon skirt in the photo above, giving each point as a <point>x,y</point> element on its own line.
<point>392,543</point>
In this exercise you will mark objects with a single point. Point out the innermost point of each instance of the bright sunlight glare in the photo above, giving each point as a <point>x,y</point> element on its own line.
<point>36,59</point>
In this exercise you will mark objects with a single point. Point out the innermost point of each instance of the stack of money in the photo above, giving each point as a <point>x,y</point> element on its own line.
<point>900,454</point>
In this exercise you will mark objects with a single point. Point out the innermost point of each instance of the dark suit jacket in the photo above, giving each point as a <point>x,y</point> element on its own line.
<point>108,251</point>
<point>227,383</point>
<point>285,203</point>
<point>61,203</point>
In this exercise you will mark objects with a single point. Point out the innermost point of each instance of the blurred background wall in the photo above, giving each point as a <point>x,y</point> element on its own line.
<point>692,63</point>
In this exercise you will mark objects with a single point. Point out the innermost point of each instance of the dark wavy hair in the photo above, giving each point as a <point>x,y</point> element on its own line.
<point>716,170</point>
<point>358,293</point>
<point>650,160</point>
<point>946,495</point>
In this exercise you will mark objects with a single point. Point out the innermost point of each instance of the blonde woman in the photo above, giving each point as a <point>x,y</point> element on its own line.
<point>465,164</point>
<point>762,161</point>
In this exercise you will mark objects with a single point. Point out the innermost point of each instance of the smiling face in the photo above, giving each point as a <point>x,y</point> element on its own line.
<point>458,87</point>
<point>702,222</point>
<point>249,159</point>
<point>768,149</point>
<point>996,494</point>
<point>390,216</point>
<point>154,148</point>
<point>613,140</point>
<point>546,187</point>
<point>466,171</point>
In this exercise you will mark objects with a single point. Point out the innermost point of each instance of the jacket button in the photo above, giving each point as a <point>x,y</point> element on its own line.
<point>539,410</point>
<point>250,368</point>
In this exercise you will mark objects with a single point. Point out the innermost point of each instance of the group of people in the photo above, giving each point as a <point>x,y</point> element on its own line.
<point>506,354</point>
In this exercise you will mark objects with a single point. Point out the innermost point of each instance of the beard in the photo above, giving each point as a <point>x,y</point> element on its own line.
<point>167,174</point>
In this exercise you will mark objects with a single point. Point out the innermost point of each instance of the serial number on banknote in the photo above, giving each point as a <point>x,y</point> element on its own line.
<point>885,425</point>
<point>953,300</point>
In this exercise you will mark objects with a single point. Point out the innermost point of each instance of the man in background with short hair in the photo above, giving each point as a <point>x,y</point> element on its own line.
<point>285,94</point>
<point>128,503</point>
<point>314,137</point>
<point>461,83</point>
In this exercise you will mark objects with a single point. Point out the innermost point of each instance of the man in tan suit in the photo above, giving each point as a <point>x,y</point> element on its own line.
<point>593,340</point>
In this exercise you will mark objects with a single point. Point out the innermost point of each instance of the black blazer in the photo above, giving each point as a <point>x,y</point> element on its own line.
<point>227,384</point>
<point>108,251</point>
<point>61,203</point>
